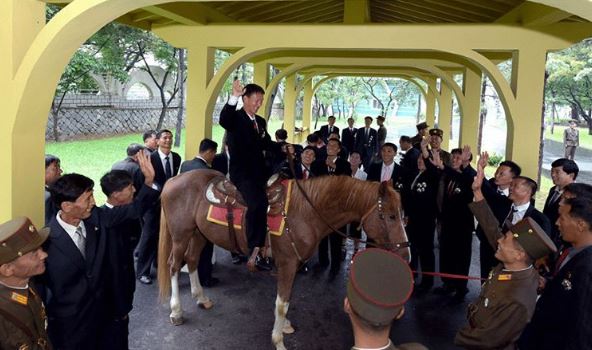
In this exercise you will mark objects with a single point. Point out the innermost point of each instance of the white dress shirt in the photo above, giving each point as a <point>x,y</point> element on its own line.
<point>520,210</point>
<point>387,172</point>
<point>163,160</point>
<point>71,231</point>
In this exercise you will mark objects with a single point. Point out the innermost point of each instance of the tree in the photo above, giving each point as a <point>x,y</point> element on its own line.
<point>387,91</point>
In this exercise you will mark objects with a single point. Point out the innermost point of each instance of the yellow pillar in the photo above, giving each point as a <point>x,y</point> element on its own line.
<point>21,193</point>
<point>431,102</point>
<point>198,124</point>
<point>469,124</point>
<point>307,109</point>
<point>524,124</point>
<point>445,114</point>
<point>261,74</point>
<point>290,105</point>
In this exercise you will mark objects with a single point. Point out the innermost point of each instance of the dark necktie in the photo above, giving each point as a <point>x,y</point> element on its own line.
<point>367,133</point>
<point>508,222</point>
<point>255,126</point>
<point>554,197</point>
<point>167,168</point>
<point>560,260</point>
<point>305,174</point>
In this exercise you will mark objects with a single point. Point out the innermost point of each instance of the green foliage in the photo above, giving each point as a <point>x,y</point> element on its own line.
<point>495,159</point>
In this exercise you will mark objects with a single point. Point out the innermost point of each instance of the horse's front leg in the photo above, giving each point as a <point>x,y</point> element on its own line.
<point>286,272</point>
<point>196,245</point>
<point>176,315</point>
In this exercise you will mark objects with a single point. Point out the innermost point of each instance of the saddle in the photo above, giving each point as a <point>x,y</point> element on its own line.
<point>221,192</point>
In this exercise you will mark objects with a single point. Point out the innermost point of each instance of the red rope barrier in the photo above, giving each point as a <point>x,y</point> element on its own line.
<point>449,275</point>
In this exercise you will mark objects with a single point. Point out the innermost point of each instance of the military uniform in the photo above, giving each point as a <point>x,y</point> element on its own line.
<point>571,140</point>
<point>25,328</point>
<point>507,300</point>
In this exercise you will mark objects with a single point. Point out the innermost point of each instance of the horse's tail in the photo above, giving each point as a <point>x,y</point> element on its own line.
<point>164,251</point>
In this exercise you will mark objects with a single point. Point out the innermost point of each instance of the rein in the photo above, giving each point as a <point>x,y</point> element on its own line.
<point>378,205</point>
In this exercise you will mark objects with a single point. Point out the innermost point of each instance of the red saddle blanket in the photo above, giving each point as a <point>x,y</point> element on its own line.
<point>275,223</point>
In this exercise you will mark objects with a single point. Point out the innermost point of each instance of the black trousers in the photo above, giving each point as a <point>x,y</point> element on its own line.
<point>116,334</point>
<point>205,266</point>
<point>331,244</point>
<point>148,245</point>
<point>256,216</point>
<point>421,236</point>
<point>455,252</point>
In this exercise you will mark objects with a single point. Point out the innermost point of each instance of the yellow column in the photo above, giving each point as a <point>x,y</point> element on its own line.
<point>290,105</point>
<point>430,102</point>
<point>21,192</point>
<point>261,74</point>
<point>469,124</point>
<point>307,109</point>
<point>524,124</point>
<point>445,114</point>
<point>200,70</point>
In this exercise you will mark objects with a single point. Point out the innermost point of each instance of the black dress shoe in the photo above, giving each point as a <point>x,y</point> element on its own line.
<point>145,280</point>
<point>236,259</point>
<point>262,264</point>
<point>212,281</point>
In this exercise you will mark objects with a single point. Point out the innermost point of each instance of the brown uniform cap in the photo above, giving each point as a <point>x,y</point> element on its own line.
<point>436,132</point>
<point>532,238</point>
<point>19,237</point>
<point>380,282</point>
<point>422,125</point>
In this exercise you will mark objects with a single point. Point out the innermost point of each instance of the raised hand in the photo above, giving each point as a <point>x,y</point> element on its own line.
<point>146,167</point>
<point>436,160</point>
<point>237,88</point>
<point>466,155</point>
<point>483,160</point>
<point>478,181</point>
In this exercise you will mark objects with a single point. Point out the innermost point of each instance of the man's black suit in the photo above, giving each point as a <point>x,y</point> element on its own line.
<point>409,161</point>
<point>348,139</point>
<point>551,211</point>
<point>563,315</point>
<point>204,266</point>
<point>333,241</point>
<point>74,288</point>
<point>399,176</point>
<point>367,146</point>
<point>148,245</point>
<point>247,167</point>
<point>325,132</point>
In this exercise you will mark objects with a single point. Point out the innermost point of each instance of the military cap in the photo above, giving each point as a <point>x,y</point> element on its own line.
<point>19,237</point>
<point>422,125</point>
<point>573,121</point>
<point>380,282</point>
<point>532,238</point>
<point>436,132</point>
<point>380,118</point>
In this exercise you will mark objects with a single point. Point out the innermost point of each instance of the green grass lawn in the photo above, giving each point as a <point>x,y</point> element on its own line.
<point>585,139</point>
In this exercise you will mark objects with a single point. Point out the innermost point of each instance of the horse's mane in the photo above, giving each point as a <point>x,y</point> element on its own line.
<point>343,192</point>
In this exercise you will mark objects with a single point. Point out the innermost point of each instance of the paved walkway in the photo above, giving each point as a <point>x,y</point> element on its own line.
<point>583,158</point>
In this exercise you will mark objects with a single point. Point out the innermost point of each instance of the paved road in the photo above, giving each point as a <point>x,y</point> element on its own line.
<point>242,317</point>
<point>583,157</point>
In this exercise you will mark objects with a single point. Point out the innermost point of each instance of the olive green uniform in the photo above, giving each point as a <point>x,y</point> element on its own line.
<point>27,311</point>
<point>507,299</point>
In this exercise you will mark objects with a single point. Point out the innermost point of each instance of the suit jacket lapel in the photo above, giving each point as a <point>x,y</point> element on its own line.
<point>63,242</point>
<point>92,239</point>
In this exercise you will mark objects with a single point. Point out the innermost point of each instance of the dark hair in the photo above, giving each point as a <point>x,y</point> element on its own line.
<point>134,148</point>
<point>568,165</point>
<point>390,144</point>
<point>159,134</point>
<point>148,134</point>
<point>50,158</point>
<point>580,208</point>
<point>281,134</point>
<point>334,140</point>
<point>530,183</point>
<point>368,117</point>
<point>251,89</point>
<point>312,148</point>
<point>312,138</point>
<point>69,187</point>
<point>331,117</point>
<point>579,189</point>
<point>405,138</point>
<point>115,181</point>
<point>514,168</point>
<point>206,145</point>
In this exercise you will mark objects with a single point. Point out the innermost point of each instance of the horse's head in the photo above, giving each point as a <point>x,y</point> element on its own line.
<point>384,223</point>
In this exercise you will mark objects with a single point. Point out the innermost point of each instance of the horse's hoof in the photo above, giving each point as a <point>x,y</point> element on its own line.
<point>177,321</point>
<point>288,329</point>
<point>206,305</point>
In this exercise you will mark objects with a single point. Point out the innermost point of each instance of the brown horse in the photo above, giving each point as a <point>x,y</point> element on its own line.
<point>334,201</point>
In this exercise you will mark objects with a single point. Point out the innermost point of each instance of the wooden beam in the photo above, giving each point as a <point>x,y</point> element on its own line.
<point>533,14</point>
<point>356,12</point>
<point>438,10</point>
<point>318,10</point>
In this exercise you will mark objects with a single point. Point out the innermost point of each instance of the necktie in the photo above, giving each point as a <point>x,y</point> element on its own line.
<point>554,197</point>
<point>508,222</point>
<point>560,260</point>
<point>501,192</point>
<point>367,132</point>
<point>80,241</point>
<point>305,174</point>
<point>167,168</point>
<point>330,129</point>
<point>255,126</point>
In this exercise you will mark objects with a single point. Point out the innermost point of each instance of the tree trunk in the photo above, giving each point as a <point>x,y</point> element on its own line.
<point>181,106</point>
<point>418,114</point>
<point>552,118</point>
<point>542,133</point>
<point>482,115</point>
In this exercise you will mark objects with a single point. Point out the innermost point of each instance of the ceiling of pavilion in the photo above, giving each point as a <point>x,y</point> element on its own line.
<point>345,11</point>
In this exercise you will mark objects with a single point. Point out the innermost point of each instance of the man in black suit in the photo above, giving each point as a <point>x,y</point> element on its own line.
<point>307,166</point>
<point>150,140</point>
<point>53,171</point>
<point>348,136</point>
<point>522,191</point>
<point>131,166</point>
<point>166,165</point>
<point>388,169</point>
<point>496,192</point>
<point>367,142</point>
<point>247,139</point>
<point>207,152</point>
<point>422,131</point>
<point>119,188</point>
<point>410,155</point>
<point>563,315</point>
<point>75,279</point>
<point>328,129</point>
<point>563,172</point>
<point>333,166</point>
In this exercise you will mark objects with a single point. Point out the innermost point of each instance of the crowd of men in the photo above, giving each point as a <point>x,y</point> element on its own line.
<point>85,263</point>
